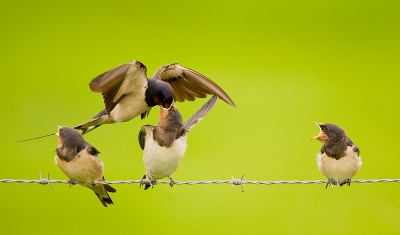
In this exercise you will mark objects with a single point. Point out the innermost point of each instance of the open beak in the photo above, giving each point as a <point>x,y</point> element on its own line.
<point>165,106</point>
<point>320,135</point>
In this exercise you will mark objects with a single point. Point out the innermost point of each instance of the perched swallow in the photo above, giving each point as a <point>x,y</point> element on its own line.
<point>339,159</point>
<point>165,144</point>
<point>127,92</point>
<point>80,162</point>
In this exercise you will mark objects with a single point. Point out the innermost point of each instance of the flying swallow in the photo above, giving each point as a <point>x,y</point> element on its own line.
<point>128,93</point>
<point>339,159</point>
<point>80,162</point>
<point>165,144</point>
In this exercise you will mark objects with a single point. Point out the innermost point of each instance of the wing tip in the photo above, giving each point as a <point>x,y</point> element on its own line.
<point>228,101</point>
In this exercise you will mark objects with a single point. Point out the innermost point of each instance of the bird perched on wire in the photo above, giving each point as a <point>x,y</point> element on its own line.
<point>80,162</point>
<point>127,92</point>
<point>339,159</point>
<point>165,144</point>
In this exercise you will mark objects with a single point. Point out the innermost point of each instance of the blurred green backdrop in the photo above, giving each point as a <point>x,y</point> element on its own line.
<point>284,63</point>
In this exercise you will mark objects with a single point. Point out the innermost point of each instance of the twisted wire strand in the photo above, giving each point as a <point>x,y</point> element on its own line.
<point>234,181</point>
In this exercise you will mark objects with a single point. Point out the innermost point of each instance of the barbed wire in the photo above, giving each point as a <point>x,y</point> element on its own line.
<point>241,182</point>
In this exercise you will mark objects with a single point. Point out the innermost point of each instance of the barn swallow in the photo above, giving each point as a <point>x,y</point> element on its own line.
<point>339,159</point>
<point>165,144</point>
<point>80,162</point>
<point>127,92</point>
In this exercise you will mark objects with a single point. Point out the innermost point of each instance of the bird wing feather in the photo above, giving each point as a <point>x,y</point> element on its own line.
<point>189,84</point>
<point>119,81</point>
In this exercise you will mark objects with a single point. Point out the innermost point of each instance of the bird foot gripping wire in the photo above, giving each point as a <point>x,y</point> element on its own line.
<point>146,182</point>
<point>237,182</point>
<point>45,180</point>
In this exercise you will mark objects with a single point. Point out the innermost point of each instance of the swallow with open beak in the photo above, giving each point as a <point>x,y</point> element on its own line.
<point>80,162</point>
<point>127,92</point>
<point>165,144</point>
<point>339,159</point>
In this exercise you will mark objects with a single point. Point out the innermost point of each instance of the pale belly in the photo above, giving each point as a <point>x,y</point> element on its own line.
<point>130,106</point>
<point>86,168</point>
<point>342,169</point>
<point>160,161</point>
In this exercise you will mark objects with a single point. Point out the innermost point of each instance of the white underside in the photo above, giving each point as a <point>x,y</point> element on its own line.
<point>342,169</point>
<point>130,106</point>
<point>161,162</point>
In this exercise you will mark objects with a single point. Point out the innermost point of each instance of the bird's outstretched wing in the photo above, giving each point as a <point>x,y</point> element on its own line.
<point>189,84</point>
<point>119,81</point>
<point>200,114</point>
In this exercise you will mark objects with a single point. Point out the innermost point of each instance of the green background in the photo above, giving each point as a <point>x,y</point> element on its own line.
<point>284,63</point>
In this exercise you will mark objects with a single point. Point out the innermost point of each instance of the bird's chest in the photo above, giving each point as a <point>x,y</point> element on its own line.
<point>84,167</point>
<point>341,169</point>
<point>130,106</point>
<point>163,161</point>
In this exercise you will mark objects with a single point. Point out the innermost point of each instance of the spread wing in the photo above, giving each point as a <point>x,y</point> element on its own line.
<point>119,81</point>
<point>189,84</point>
<point>352,145</point>
<point>200,114</point>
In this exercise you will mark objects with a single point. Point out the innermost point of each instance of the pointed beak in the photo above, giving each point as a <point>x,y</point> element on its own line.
<point>320,135</point>
<point>58,130</point>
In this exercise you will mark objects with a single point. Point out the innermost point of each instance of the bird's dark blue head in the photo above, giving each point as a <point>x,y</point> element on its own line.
<point>159,93</point>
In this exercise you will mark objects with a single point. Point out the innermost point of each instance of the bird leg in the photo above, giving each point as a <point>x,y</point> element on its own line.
<point>150,177</point>
<point>171,182</point>
<point>347,181</point>
<point>152,180</point>
<point>331,182</point>
<point>71,182</point>
<point>147,185</point>
<point>141,182</point>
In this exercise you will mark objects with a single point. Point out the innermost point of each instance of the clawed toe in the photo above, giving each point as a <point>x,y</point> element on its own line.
<point>330,182</point>
<point>171,182</point>
<point>141,182</point>
<point>333,182</point>
<point>71,182</point>
<point>347,181</point>
<point>147,185</point>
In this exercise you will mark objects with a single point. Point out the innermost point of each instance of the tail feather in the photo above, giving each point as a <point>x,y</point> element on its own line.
<point>108,188</point>
<point>92,124</point>
<point>147,186</point>
<point>101,193</point>
<point>200,114</point>
<point>101,200</point>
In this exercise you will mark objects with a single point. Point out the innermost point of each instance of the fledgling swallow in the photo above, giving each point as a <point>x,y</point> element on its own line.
<point>165,144</point>
<point>127,92</point>
<point>339,159</point>
<point>80,162</point>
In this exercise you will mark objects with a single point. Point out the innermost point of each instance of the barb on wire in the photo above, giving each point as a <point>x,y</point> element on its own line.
<point>234,181</point>
<point>237,182</point>
<point>45,181</point>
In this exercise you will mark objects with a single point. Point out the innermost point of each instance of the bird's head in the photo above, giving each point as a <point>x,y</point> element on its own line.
<point>329,132</point>
<point>164,95</point>
<point>69,137</point>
